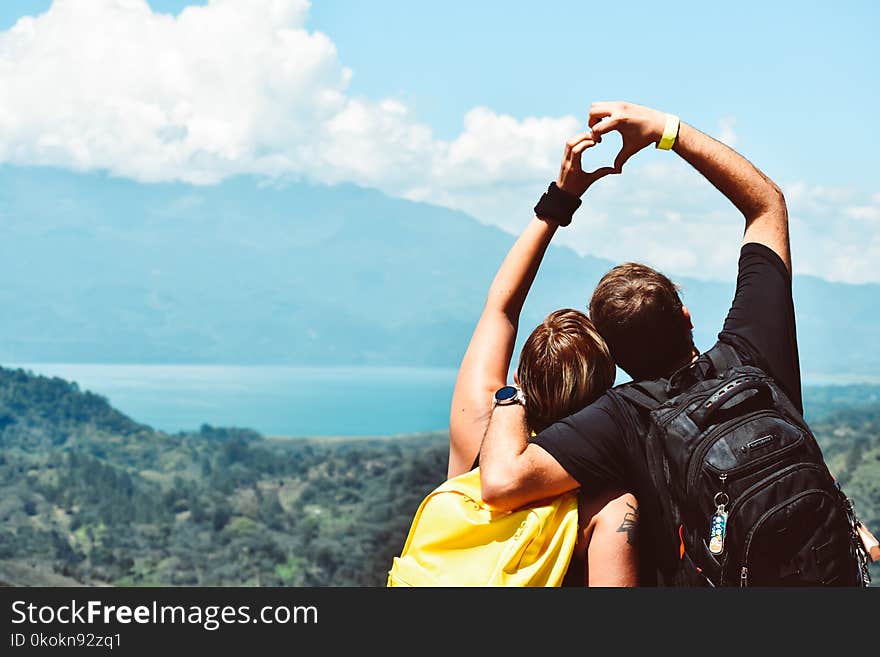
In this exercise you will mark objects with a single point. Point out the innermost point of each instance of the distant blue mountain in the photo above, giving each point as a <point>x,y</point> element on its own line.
<point>99,269</point>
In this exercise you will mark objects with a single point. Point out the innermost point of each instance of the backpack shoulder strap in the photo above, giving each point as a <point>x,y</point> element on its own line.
<point>650,395</point>
<point>644,394</point>
<point>723,357</point>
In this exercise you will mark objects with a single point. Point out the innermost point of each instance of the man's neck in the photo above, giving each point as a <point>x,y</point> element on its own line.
<point>695,353</point>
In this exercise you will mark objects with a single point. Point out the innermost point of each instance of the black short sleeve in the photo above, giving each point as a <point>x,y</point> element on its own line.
<point>590,445</point>
<point>761,322</point>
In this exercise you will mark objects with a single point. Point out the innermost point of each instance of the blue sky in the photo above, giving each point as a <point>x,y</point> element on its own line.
<point>793,74</point>
<point>485,92</point>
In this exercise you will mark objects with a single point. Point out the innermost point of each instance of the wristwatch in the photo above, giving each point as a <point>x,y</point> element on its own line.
<point>509,395</point>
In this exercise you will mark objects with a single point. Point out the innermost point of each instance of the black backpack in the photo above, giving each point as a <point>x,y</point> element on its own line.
<point>745,494</point>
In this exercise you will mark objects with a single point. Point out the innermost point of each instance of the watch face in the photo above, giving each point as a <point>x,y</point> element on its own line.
<point>505,394</point>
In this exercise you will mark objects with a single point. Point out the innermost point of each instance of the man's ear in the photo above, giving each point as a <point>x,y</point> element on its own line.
<point>687,315</point>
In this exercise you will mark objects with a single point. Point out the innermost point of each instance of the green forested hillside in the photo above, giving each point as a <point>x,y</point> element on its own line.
<point>90,495</point>
<point>846,420</point>
<point>87,495</point>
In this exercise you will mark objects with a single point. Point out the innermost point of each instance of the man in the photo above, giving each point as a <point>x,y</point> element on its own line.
<point>649,333</point>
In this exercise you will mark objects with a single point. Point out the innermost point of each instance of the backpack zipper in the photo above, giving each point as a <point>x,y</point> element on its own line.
<point>758,463</point>
<point>764,482</point>
<point>748,492</point>
<point>744,573</point>
<point>710,439</point>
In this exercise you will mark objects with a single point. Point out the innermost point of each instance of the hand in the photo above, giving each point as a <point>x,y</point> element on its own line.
<point>572,178</point>
<point>639,126</point>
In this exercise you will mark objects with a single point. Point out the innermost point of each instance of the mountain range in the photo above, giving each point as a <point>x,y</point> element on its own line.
<point>99,269</point>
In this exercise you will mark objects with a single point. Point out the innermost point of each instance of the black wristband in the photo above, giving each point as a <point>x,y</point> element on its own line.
<point>557,204</point>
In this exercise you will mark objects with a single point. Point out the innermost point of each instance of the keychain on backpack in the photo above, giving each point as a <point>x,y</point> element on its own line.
<point>718,524</point>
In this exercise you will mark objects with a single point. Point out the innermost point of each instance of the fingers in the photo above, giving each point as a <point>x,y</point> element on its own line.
<point>578,149</point>
<point>605,116</point>
<point>598,111</point>
<point>626,152</point>
<point>607,124</point>
<point>601,172</point>
<point>583,145</point>
<point>574,141</point>
<point>602,110</point>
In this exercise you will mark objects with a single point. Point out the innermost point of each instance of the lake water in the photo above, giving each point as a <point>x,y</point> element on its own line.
<point>285,401</point>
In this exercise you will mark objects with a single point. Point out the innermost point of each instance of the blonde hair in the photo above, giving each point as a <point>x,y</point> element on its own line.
<point>564,365</point>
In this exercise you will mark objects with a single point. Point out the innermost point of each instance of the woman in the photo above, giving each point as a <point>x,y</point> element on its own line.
<point>564,365</point>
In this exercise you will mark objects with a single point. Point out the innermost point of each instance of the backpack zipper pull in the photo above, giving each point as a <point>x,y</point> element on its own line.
<point>718,523</point>
<point>744,577</point>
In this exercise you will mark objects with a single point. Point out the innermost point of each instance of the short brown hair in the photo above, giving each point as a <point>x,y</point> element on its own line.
<point>639,313</point>
<point>564,365</point>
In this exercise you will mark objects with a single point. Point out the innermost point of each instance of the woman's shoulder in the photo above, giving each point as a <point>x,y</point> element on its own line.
<point>603,412</point>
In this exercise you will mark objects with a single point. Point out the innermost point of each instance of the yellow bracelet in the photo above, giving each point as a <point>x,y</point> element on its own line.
<point>670,132</point>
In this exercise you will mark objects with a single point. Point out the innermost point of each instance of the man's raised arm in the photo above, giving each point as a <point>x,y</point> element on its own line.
<point>758,198</point>
<point>514,471</point>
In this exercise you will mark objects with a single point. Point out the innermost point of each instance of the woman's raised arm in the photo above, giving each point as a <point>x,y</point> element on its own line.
<point>484,366</point>
<point>486,362</point>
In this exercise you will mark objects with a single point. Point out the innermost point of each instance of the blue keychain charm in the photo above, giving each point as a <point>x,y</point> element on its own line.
<point>718,525</point>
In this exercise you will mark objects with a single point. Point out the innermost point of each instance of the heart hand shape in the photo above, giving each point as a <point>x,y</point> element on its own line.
<point>572,177</point>
<point>607,148</point>
<point>638,127</point>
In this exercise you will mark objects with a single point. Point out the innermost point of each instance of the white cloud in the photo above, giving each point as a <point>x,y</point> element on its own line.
<point>227,88</point>
<point>726,131</point>
<point>231,87</point>
<point>665,214</point>
<point>835,233</point>
<point>818,198</point>
<point>864,211</point>
<point>245,87</point>
<point>660,212</point>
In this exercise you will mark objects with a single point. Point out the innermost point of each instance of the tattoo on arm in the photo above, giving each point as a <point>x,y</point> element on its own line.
<point>630,524</point>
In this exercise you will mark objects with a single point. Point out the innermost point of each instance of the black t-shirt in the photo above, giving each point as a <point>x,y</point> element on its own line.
<point>598,446</point>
